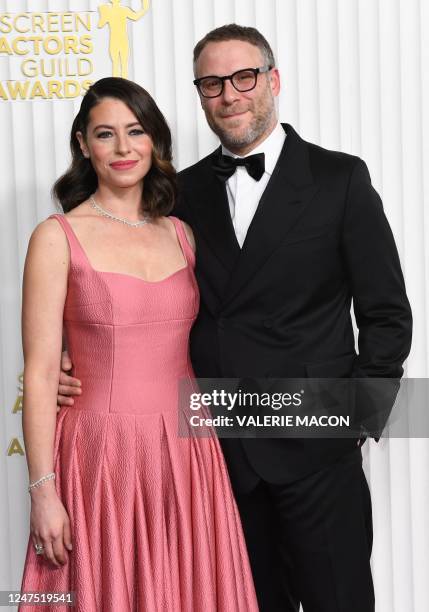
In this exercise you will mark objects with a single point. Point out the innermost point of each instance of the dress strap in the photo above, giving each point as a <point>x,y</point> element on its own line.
<point>77,254</point>
<point>187,249</point>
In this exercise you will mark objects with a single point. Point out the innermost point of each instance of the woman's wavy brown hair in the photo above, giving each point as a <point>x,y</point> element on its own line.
<point>160,183</point>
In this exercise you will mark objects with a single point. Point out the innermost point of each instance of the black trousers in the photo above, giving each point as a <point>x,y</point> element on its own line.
<point>310,541</point>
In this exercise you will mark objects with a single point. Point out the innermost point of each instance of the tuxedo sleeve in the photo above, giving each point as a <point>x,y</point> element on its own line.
<point>180,209</point>
<point>381,307</point>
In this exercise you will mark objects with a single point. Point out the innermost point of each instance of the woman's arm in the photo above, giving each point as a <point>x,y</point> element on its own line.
<point>44,293</point>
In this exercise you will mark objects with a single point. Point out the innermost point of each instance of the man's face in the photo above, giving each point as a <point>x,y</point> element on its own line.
<point>241,120</point>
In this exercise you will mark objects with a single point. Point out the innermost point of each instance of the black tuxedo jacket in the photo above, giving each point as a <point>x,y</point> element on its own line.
<point>280,306</point>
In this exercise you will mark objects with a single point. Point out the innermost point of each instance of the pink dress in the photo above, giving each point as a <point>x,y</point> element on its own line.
<point>154,523</point>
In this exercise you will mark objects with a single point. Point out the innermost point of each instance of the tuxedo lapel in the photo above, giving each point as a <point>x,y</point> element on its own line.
<point>210,206</point>
<point>283,202</point>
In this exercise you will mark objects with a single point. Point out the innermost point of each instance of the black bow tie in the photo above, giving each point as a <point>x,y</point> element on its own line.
<point>225,165</point>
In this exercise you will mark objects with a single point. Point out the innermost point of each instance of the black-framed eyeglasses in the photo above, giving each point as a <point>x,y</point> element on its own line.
<point>242,80</point>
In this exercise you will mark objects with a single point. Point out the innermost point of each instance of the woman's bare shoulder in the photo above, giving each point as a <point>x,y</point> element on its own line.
<point>46,230</point>
<point>48,237</point>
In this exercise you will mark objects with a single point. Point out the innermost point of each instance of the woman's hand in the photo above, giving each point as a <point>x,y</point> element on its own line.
<point>50,524</point>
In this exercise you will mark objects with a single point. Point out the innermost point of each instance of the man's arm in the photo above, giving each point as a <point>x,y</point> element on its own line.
<point>381,307</point>
<point>380,303</point>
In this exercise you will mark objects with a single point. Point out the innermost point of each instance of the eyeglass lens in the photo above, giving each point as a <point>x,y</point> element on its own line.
<point>244,80</point>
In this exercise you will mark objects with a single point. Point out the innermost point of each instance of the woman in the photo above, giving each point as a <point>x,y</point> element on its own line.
<point>123,511</point>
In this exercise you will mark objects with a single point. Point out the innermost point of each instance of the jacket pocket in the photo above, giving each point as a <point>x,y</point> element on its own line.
<point>308,234</point>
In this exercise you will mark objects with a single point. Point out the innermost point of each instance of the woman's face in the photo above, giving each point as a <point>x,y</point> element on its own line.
<point>120,151</point>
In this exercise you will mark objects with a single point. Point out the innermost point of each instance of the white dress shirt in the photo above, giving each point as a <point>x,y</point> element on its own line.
<point>243,191</point>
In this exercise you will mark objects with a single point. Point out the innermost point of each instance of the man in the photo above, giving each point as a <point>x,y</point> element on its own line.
<point>285,240</point>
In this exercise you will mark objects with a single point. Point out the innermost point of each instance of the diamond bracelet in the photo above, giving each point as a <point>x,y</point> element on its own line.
<point>41,481</point>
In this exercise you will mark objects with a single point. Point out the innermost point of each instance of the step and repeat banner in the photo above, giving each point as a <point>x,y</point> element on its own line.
<point>355,77</point>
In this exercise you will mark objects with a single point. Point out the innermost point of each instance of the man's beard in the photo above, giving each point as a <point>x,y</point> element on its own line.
<point>232,139</point>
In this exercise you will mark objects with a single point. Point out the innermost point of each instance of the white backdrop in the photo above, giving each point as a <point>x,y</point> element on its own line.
<point>355,77</point>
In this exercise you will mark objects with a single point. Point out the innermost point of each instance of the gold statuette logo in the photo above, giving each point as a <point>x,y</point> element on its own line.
<point>115,16</point>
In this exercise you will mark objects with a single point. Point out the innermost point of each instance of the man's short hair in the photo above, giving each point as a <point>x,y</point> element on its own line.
<point>233,31</point>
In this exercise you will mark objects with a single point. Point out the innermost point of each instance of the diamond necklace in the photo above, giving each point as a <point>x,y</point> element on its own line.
<point>109,215</point>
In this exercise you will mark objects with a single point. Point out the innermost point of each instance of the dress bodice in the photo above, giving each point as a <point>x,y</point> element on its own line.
<point>125,334</point>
